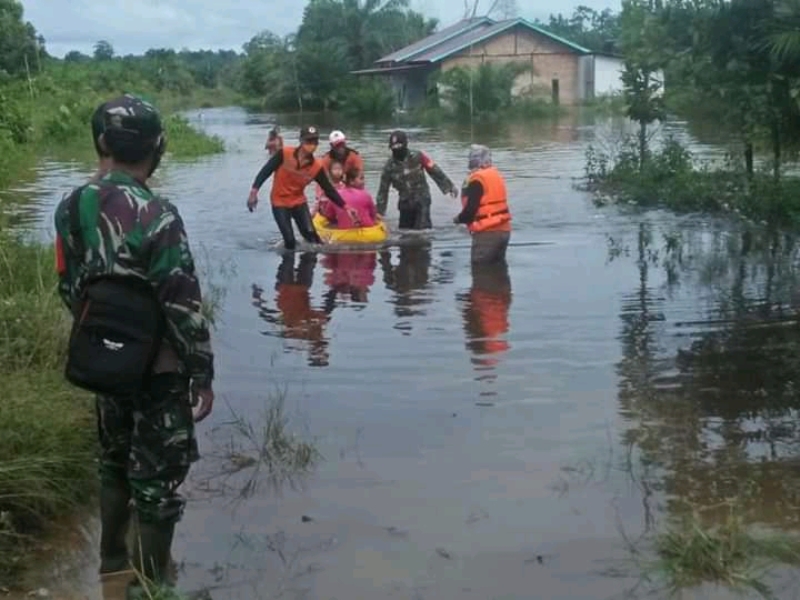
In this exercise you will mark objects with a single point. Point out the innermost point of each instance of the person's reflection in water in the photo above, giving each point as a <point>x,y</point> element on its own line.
<point>407,277</point>
<point>298,319</point>
<point>349,274</point>
<point>485,313</point>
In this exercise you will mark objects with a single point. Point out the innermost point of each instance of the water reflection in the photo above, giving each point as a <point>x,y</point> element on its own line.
<point>349,275</point>
<point>485,313</point>
<point>712,401</point>
<point>293,317</point>
<point>407,279</point>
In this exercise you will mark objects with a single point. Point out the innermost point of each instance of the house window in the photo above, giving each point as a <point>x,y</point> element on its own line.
<point>555,90</point>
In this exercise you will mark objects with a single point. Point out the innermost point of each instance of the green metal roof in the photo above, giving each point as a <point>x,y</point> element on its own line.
<point>469,38</point>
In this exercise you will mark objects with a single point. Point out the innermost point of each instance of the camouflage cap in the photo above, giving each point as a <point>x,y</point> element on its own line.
<point>309,133</point>
<point>133,115</point>
<point>398,139</point>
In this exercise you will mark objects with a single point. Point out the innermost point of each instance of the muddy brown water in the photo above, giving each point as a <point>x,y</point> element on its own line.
<point>502,435</point>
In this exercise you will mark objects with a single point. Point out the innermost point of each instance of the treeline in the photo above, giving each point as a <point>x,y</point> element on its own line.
<point>740,60</point>
<point>735,63</point>
<point>306,70</point>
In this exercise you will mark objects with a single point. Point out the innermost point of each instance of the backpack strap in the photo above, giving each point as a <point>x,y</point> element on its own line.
<point>74,213</point>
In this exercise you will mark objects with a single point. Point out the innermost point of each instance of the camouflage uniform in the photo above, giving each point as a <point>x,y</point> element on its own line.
<point>407,176</point>
<point>150,440</point>
<point>147,439</point>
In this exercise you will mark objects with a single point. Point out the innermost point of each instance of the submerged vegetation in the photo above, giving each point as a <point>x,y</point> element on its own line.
<point>250,452</point>
<point>689,553</point>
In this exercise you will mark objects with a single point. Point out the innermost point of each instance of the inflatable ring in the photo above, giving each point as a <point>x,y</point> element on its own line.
<point>375,234</point>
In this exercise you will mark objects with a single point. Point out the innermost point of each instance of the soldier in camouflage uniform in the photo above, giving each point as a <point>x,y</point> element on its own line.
<point>405,172</point>
<point>147,440</point>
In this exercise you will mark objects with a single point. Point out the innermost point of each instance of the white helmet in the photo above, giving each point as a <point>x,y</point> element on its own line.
<point>337,137</point>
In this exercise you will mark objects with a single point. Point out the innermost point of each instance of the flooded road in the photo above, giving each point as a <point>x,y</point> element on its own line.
<point>499,434</point>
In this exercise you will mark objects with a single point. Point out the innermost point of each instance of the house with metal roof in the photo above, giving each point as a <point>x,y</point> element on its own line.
<point>559,68</point>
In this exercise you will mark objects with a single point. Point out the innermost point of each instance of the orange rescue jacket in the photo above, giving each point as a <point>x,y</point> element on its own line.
<point>493,213</point>
<point>290,179</point>
<point>353,160</point>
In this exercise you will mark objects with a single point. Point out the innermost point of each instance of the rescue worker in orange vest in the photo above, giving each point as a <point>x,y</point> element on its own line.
<point>294,169</point>
<point>485,208</point>
<point>485,313</point>
<point>342,153</point>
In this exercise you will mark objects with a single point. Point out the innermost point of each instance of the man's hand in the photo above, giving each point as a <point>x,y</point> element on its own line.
<point>203,401</point>
<point>454,192</point>
<point>252,200</point>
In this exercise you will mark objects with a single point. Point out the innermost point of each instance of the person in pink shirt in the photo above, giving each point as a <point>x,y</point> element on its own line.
<point>356,197</point>
<point>336,175</point>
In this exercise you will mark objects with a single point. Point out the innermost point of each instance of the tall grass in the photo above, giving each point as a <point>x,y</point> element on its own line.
<point>47,436</point>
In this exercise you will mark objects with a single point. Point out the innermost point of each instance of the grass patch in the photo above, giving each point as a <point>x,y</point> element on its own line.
<point>250,452</point>
<point>47,437</point>
<point>671,177</point>
<point>690,553</point>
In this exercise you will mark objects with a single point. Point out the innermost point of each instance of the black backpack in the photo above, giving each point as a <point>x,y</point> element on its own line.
<point>117,329</point>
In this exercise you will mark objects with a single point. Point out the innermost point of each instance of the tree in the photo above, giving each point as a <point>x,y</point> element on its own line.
<point>20,45</point>
<point>643,63</point>
<point>597,31</point>
<point>504,9</point>
<point>103,50</point>
<point>74,56</point>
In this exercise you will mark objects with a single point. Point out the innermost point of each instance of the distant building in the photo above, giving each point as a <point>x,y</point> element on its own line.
<point>561,70</point>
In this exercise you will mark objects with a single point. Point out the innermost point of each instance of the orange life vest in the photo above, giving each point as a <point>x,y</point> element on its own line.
<point>493,213</point>
<point>290,180</point>
<point>353,159</point>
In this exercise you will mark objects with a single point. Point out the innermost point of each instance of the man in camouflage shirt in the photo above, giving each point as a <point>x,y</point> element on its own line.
<point>147,440</point>
<point>405,172</point>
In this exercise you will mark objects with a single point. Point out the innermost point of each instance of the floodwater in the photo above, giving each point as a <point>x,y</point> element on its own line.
<point>501,434</point>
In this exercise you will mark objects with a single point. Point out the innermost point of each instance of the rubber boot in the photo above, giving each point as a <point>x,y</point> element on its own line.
<point>114,521</point>
<point>114,586</point>
<point>151,558</point>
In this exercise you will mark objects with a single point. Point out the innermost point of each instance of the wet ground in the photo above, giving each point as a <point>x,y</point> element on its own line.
<point>500,434</point>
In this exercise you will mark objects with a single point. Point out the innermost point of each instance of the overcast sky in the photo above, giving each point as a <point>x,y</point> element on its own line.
<point>133,26</point>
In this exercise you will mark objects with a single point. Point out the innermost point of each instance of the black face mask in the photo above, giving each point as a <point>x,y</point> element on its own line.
<point>400,153</point>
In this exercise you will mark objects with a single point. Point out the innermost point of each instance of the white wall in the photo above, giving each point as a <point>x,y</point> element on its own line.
<point>608,76</point>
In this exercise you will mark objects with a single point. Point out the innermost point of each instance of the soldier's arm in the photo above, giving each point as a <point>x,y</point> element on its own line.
<point>172,272</point>
<point>382,199</point>
<point>275,161</point>
<point>443,182</point>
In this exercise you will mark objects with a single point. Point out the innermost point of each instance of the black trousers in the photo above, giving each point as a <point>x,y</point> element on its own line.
<point>415,216</point>
<point>300,215</point>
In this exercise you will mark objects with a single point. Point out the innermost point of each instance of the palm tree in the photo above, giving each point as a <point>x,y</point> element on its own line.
<point>784,36</point>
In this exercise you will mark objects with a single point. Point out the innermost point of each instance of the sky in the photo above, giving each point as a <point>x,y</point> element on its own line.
<point>133,26</point>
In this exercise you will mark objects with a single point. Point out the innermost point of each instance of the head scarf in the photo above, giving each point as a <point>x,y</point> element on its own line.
<point>480,157</point>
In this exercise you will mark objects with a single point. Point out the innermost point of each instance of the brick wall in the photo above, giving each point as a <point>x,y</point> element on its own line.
<point>548,60</point>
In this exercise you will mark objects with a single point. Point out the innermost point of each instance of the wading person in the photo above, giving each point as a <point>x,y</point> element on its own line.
<point>274,141</point>
<point>405,172</point>
<point>485,208</point>
<point>294,169</point>
<point>340,152</point>
<point>127,274</point>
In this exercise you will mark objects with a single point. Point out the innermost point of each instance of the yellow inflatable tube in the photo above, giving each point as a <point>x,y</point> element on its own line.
<point>376,234</point>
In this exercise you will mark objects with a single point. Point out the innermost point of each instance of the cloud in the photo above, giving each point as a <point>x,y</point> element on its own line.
<point>133,27</point>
